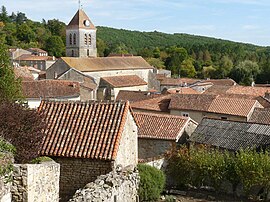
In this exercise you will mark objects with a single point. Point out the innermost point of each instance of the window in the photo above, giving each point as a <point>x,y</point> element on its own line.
<point>70,39</point>
<point>85,39</point>
<point>224,118</point>
<point>88,53</point>
<point>74,39</point>
<point>72,53</point>
<point>90,39</point>
<point>185,114</point>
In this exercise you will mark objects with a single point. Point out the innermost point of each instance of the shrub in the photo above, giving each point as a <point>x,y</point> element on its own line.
<point>152,182</point>
<point>23,128</point>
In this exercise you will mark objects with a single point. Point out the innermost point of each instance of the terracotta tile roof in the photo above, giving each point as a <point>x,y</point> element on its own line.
<point>160,77</point>
<point>182,90</point>
<point>260,115</point>
<point>217,90</point>
<point>28,57</point>
<point>222,82</point>
<point>134,96</point>
<point>78,21</point>
<point>195,102</point>
<point>232,106</point>
<point>157,126</point>
<point>23,73</point>
<point>177,82</point>
<point>248,90</point>
<point>159,104</point>
<point>262,85</point>
<point>124,81</point>
<point>231,135</point>
<point>106,63</point>
<point>50,89</point>
<point>38,50</point>
<point>90,130</point>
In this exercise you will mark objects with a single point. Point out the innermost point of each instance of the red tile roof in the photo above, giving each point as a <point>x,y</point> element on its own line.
<point>177,82</point>
<point>260,116</point>
<point>156,126</point>
<point>83,129</point>
<point>195,102</point>
<point>222,82</point>
<point>134,96</point>
<point>23,73</point>
<point>182,90</point>
<point>159,104</point>
<point>124,81</point>
<point>237,107</point>
<point>50,89</point>
<point>28,57</point>
<point>248,90</point>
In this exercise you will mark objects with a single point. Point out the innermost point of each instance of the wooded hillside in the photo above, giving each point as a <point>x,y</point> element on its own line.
<point>185,55</point>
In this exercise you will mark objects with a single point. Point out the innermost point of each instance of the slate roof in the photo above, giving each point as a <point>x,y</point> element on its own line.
<point>134,96</point>
<point>231,135</point>
<point>50,89</point>
<point>157,126</point>
<point>260,115</point>
<point>106,63</point>
<point>124,81</point>
<point>158,104</point>
<point>89,130</point>
<point>78,21</point>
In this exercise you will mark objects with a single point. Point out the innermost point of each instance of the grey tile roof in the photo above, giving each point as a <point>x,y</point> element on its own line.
<point>231,135</point>
<point>261,116</point>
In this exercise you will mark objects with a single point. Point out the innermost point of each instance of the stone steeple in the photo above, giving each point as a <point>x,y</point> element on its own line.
<point>81,36</point>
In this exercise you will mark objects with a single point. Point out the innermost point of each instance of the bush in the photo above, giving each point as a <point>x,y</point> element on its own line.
<point>152,182</point>
<point>23,128</point>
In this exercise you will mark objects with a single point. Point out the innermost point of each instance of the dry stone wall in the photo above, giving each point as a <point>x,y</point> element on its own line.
<point>36,182</point>
<point>5,195</point>
<point>116,186</point>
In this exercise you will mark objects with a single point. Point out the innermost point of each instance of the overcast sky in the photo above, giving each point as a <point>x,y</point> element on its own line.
<point>237,20</point>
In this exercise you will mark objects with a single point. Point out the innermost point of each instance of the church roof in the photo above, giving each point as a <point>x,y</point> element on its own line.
<point>106,63</point>
<point>80,20</point>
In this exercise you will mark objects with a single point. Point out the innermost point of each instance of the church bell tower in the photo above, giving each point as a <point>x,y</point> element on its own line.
<point>81,36</point>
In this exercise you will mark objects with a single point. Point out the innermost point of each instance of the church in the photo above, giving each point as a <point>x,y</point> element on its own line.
<point>99,77</point>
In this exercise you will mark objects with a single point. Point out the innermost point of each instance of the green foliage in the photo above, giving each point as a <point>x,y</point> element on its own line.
<point>6,159</point>
<point>152,182</point>
<point>156,62</point>
<point>55,46</point>
<point>10,87</point>
<point>188,69</point>
<point>205,166</point>
<point>6,147</point>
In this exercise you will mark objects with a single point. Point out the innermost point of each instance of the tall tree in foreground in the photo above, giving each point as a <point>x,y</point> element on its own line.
<point>10,87</point>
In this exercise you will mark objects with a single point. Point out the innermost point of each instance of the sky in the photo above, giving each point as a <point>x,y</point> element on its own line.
<point>237,20</point>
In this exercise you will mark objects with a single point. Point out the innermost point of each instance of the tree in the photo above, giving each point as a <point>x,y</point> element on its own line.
<point>21,18</point>
<point>55,46</point>
<point>209,72</point>
<point>156,62</point>
<point>187,68</point>
<point>177,56</point>
<point>23,128</point>
<point>57,28</point>
<point>101,47</point>
<point>245,72</point>
<point>4,15</point>
<point>25,33</point>
<point>10,87</point>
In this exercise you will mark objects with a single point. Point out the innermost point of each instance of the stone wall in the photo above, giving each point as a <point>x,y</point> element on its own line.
<point>5,194</point>
<point>117,186</point>
<point>76,173</point>
<point>36,182</point>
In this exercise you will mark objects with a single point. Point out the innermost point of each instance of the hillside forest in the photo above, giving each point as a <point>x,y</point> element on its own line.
<point>185,55</point>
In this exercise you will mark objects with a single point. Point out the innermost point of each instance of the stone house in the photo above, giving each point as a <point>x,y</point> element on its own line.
<point>17,52</point>
<point>231,135</point>
<point>37,51</point>
<point>109,87</point>
<point>39,62</point>
<point>158,133</point>
<point>88,139</point>
<point>199,106</point>
<point>36,91</point>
